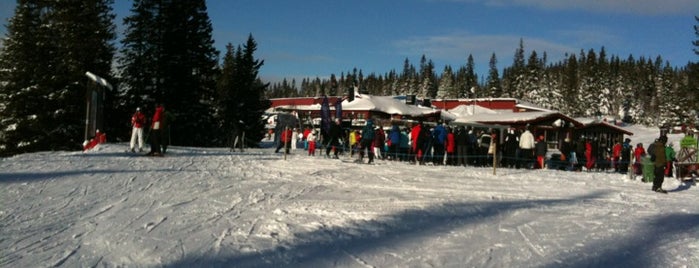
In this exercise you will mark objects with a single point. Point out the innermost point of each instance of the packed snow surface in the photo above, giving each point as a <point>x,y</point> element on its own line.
<point>203,207</point>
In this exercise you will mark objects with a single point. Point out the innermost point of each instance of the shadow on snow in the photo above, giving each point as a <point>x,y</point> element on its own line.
<point>333,246</point>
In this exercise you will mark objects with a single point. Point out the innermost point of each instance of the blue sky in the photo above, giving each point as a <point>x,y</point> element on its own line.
<point>316,38</point>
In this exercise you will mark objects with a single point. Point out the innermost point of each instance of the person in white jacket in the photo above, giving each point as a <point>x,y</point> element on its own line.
<point>526,147</point>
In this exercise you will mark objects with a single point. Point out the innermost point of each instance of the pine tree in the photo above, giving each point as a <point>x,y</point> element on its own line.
<point>446,87</point>
<point>471,79</point>
<point>493,85</point>
<point>696,32</point>
<point>531,82</point>
<point>428,88</point>
<point>169,58</point>
<point>241,94</point>
<point>49,47</point>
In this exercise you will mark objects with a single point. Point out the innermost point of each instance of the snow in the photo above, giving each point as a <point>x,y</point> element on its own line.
<point>204,207</point>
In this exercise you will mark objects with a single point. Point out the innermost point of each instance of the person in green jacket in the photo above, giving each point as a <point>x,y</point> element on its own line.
<point>670,157</point>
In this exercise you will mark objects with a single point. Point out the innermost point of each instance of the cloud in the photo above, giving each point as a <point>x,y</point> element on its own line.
<point>589,36</point>
<point>460,45</point>
<point>641,7</point>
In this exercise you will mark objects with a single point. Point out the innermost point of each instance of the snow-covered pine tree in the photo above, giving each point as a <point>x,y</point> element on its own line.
<point>446,88</point>
<point>428,87</point>
<point>492,84</point>
<point>49,47</point>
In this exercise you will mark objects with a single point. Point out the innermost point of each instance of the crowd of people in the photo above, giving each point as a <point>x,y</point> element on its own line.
<point>442,144</point>
<point>421,143</point>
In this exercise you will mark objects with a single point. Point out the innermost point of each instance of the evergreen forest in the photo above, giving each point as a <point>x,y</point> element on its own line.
<point>167,56</point>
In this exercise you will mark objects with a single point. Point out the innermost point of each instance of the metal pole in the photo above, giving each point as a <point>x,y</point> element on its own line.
<point>286,140</point>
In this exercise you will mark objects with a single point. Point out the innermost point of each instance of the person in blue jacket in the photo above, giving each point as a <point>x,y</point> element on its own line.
<point>394,139</point>
<point>439,136</point>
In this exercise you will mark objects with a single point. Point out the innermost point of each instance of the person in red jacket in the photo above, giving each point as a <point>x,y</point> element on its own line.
<point>138,120</point>
<point>285,140</point>
<point>638,153</point>
<point>155,131</point>
<point>416,146</point>
<point>616,155</point>
<point>450,145</point>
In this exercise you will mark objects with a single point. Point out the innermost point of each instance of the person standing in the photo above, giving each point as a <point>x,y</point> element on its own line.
<point>670,157</point>
<point>416,143</point>
<point>294,138</point>
<point>638,153</point>
<point>138,120</point>
<point>334,136</point>
<point>404,147</point>
<point>616,155</point>
<point>526,146</point>
<point>285,140</point>
<point>659,162</point>
<point>439,137</point>
<point>394,139</point>
<point>311,140</point>
<point>626,149</point>
<point>510,151</point>
<point>566,150</point>
<point>367,141</point>
<point>380,143</point>
<point>541,150</point>
<point>155,131</point>
<point>165,124</point>
<point>450,147</point>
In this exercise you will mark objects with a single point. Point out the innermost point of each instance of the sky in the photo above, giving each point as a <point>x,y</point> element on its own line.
<point>316,38</point>
<point>210,207</point>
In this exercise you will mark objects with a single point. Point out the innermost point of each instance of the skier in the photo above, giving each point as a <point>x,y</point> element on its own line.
<point>311,141</point>
<point>138,120</point>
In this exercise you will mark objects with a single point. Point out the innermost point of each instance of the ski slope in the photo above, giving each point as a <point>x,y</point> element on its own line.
<point>203,207</point>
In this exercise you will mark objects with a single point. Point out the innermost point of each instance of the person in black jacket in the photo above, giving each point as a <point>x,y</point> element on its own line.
<point>509,159</point>
<point>461,140</point>
<point>334,136</point>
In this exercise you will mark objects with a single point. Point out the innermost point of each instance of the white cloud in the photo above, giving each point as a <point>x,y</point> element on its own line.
<point>460,45</point>
<point>642,7</point>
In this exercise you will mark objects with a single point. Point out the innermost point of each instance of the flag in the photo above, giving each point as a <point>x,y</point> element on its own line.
<point>338,108</point>
<point>325,115</point>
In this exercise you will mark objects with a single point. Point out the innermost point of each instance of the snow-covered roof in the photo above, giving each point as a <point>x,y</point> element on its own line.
<point>465,110</point>
<point>509,118</point>
<point>364,102</point>
<point>386,104</point>
<point>530,106</point>
<point>587,121</point>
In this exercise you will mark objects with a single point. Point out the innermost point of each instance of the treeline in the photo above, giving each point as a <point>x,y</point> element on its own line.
<point>591,83</point>
<point>167,56</point>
